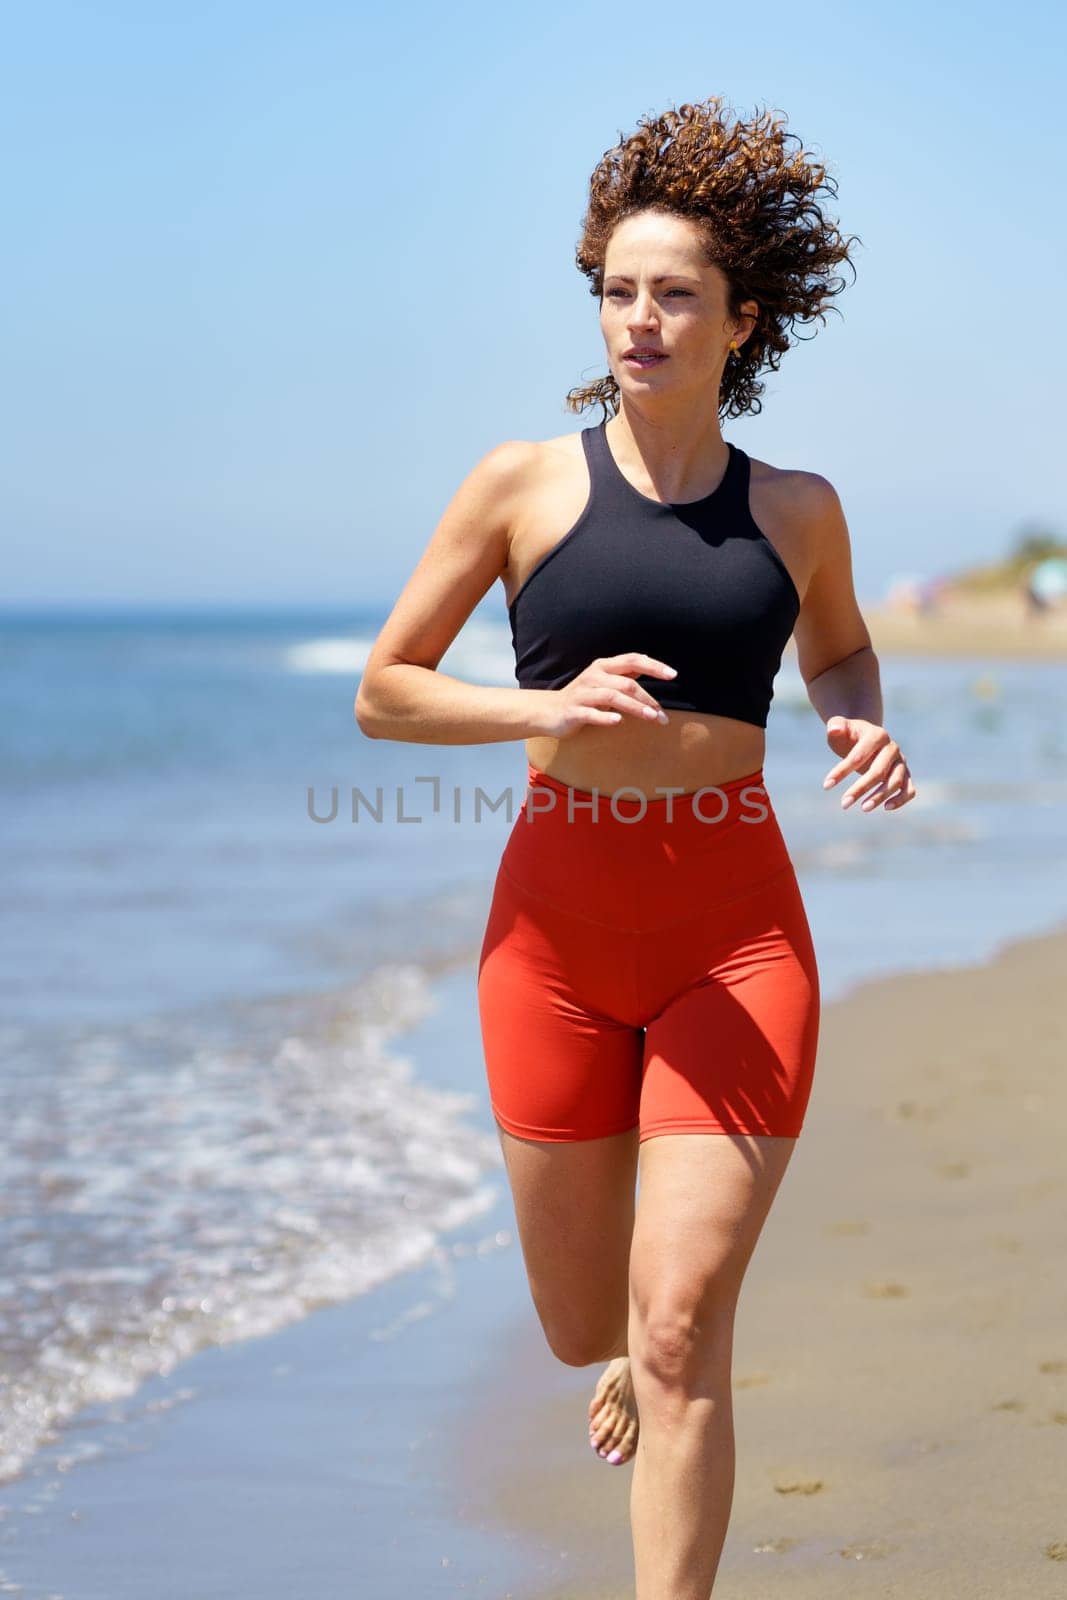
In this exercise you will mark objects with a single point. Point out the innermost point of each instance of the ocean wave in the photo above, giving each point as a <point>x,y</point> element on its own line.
<point>171,1185</point>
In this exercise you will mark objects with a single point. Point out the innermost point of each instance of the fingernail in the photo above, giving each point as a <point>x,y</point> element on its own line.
<point>826,782</point>
<point>847,801</point>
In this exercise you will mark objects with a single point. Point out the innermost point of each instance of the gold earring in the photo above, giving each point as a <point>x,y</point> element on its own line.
<point>736,351</point>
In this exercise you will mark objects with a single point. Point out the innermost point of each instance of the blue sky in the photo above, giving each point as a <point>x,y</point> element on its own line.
<point>278,276</point>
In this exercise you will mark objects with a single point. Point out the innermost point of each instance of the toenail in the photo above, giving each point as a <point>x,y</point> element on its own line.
<point>615,1457</point>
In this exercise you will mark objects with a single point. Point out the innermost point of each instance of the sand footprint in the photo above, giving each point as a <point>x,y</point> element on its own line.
<point>873,1550</point>
<point>800,1486</point>
<point>1052,1366</point>
<point>916,1111</point>
<point>751,1380</point>
<point>1057,1551</point>
<point>886,1291</point>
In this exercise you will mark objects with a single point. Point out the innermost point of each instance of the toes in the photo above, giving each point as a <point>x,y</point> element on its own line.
<point>604,1393</point>
<point>613,1432</point>
<point>599,1417</point>
<point>616,1438</point>
<point>602,1433</point>
<point>603,1411</point>
<point>613,1424</point>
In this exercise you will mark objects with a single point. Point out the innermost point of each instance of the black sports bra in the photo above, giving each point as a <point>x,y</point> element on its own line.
<point>696,584</point>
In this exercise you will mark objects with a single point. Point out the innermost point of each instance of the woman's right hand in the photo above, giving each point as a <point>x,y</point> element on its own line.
<point>604,693</point>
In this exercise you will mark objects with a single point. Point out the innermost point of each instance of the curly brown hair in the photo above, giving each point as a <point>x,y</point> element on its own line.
<point>755,203</point>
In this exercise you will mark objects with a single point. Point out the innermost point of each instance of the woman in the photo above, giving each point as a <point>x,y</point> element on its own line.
<point>648,991</point>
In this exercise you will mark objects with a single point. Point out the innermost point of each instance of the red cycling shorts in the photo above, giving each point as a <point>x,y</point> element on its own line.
<point>647,963</point>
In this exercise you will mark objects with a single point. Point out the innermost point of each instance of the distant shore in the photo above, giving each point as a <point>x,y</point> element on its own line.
<point>997,627</point>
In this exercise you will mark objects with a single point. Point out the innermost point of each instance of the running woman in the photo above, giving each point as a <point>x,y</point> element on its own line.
<point>648,991</point>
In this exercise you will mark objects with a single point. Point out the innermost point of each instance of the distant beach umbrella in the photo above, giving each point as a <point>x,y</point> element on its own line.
<point>1048,580</point>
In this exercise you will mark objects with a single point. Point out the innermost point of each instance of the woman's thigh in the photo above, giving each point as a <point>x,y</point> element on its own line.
<point>702,1203</point>
<point>732,1043</point>
<point>562,1053</point>
<point>564,1074</point>
<point>574,1206</point>
<point>728,1069</point>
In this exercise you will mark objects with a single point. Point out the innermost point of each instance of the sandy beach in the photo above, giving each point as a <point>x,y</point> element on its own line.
<point>900,1384</point>
<point>962,626</point>
<point>900,1378</point>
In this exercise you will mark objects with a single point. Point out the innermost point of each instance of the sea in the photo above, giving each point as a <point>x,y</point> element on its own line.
<point>225,909</point>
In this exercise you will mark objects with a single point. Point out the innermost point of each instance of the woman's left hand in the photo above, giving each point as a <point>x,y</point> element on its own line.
<point>867,748</point>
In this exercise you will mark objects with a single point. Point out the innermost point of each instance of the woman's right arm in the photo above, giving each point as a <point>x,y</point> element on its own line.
<point>403,696</point>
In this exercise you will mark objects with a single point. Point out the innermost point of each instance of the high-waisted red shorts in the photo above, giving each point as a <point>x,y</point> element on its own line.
<point>647,963</point>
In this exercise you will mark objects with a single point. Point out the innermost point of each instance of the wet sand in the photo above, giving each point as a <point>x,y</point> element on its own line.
<point>900,1366</point>
<point>998,628</point>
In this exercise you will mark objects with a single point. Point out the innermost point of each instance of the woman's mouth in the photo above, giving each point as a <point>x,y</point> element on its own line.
<point>643,359</point>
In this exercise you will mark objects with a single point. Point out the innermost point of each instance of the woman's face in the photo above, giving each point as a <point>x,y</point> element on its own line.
<point>659,292</point>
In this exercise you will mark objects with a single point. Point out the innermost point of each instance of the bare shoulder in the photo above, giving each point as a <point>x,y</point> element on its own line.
<point>529,454</point>
<point>792,507</point>
<point>489,501</point>
<point>513,477</point>
<point>521,467</point>
<point>800,498</point>
<point>806,511</point>
<point>504,466</point>
<point>547,459</point>
<point>549,489</point>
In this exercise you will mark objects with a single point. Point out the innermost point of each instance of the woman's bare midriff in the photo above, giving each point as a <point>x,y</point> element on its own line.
<point>687,752</point>
<point>691,749</point>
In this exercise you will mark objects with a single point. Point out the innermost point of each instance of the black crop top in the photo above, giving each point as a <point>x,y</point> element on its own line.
<point>695,583</point>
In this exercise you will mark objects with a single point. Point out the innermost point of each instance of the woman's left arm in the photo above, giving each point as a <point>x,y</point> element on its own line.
<point>838,663</point>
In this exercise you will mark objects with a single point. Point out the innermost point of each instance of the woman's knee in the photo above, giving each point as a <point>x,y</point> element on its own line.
<point>682,1344</point>
<point>581,1343</point>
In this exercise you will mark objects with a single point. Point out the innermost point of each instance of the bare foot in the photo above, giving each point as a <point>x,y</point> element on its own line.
<point>613,1413</point>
